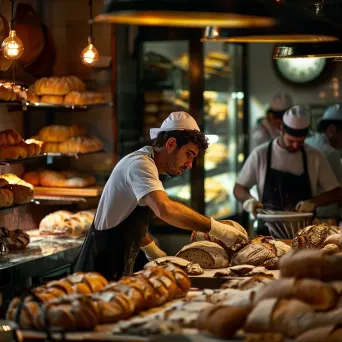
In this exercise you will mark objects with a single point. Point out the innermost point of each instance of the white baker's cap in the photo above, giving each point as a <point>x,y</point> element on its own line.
<point>297,118</point>
<point>176,121</point>
<point>281,102</point>
<point>333,112</point>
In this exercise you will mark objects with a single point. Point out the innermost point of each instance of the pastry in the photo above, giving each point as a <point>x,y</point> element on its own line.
<point>54,133</point>
<point>9,137</point>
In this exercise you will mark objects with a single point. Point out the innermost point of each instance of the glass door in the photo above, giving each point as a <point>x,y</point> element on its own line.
<point>223,115</point>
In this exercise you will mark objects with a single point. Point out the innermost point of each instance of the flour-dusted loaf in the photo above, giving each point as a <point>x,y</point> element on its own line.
<point>313,237</point>
<point>205,253</point>
<point>311,264</point>
<point>281,248</point>
<point>81,144</point>
<point>189,267</point>
<point>47,224</point>
<point>254,254</point>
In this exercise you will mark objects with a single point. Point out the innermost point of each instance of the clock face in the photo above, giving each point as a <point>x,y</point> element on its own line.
<point>300,70</point>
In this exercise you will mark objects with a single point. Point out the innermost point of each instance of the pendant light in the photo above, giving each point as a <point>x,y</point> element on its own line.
<point>325,50</point>
<point>309,31</point>
<point>191,13</point>
<point>90,55</point>
<point>12,47</point>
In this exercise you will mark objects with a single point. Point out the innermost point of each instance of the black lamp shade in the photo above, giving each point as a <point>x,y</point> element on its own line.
<point>306,31</point>
<point>191,13</point>
<point>323,50</point>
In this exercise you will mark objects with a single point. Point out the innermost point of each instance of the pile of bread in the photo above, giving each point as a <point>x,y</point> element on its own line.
<point>13,191</point>
<point>10,91</point>
<point>211,253</point>
<point>68,139</point>
<point>68,90</point>
<point>12,146</point>
<point>83,300</point>
<point>59,179</point>
<point>63,223</point>
<point>13,239</point>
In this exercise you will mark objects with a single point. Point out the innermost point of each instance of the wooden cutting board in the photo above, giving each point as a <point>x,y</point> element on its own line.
<point>91,191</point>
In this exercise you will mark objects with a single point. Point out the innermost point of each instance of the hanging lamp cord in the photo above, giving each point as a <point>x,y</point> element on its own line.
<point>12,13</point>
<point>90,18</point>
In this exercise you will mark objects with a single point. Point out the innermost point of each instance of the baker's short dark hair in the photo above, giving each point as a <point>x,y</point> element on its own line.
<point>183,137</point>
<point>324,124</point>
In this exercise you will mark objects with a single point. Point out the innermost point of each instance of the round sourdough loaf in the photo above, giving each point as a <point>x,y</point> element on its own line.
<point>205,253</point>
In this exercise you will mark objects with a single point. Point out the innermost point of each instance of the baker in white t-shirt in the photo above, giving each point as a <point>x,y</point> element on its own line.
<point>134,191</point>
<point>288,173</point>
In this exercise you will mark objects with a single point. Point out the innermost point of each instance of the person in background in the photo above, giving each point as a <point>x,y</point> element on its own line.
<point>328,141</point>
<point>269,127</point>
<point>287,172</point>
<point>134,191</point>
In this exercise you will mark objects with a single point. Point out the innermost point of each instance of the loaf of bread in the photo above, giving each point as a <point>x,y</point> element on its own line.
<point>59,133</point>
<point>222,321</point>
<point>313,237</point>
<point>22,191</point>
<point>50,147</point>
<point>52,99</point>
<point>13,152</point>
<point>66,179</point>
<point>31,97</point>
<point>79,144</point>
<point>48,222</point>
<point>205,253</point>
<point>15,239</point>
<point>7,94</point>
<point>74,83</point>
<point>9,137</point>
<point>72,302</point>
<point>51,86</point>
<point>83,98</point>
<point>334,239</point>
<point>319,295</point>
<point>249,283</point>
<point>199,236</point>
<point>189,267</point>
<point>6,197</point>
<point>64,223</point>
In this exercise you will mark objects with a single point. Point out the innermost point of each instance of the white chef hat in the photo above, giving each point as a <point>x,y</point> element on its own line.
<point>281,102</point>
<point>296,121</point>
<point>176,121</point>
<point>332,113</point>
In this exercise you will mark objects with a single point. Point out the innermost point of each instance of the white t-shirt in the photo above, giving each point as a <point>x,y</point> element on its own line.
<point>262,133</point>
<point>133,177</point>
<point>321,176</point>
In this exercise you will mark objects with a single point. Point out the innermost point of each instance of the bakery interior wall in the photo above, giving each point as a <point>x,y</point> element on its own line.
<point>67,23</point>
<point>264,82</point>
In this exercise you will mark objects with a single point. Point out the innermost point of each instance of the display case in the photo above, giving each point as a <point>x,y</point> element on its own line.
<point>166,84</point>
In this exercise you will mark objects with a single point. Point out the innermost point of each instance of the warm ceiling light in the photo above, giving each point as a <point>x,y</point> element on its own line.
<point>191,13</point>
<point>325,50</point>
<point>310,31</point>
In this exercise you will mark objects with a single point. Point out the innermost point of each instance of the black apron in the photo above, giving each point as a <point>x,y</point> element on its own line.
<point>284,190</point>
<point>112,252</point>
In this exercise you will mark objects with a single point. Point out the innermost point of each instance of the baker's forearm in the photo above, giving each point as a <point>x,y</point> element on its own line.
<point>241,193</point>
<point>327,198</point>
<point>179,215</point>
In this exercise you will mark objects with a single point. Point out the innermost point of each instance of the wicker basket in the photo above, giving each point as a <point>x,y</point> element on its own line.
<point>285,224</point>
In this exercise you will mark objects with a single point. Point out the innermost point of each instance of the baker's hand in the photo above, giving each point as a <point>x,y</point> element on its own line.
<point>306,206</point>
<point>152,251</point>
<point>251,206</point>
<point>226,233</point>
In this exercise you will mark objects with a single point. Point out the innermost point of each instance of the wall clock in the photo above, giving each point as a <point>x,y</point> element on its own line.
<point>303,71</point>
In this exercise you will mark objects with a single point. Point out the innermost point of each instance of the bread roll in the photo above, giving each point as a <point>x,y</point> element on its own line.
<point>80,145</point>
<point>7,94</point>
<point>13,152</point>
<point>74,83</point>
<point>9,137</point>
<point>17,239</point>
<point>32,177</point>
<point>52,99</point>
<point>31,97</point>
<point>51,86</point>
<point>335,239</point>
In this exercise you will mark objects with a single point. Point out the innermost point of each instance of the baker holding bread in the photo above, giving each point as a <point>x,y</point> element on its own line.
<point>134,191</point>
<point>288,173</point>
